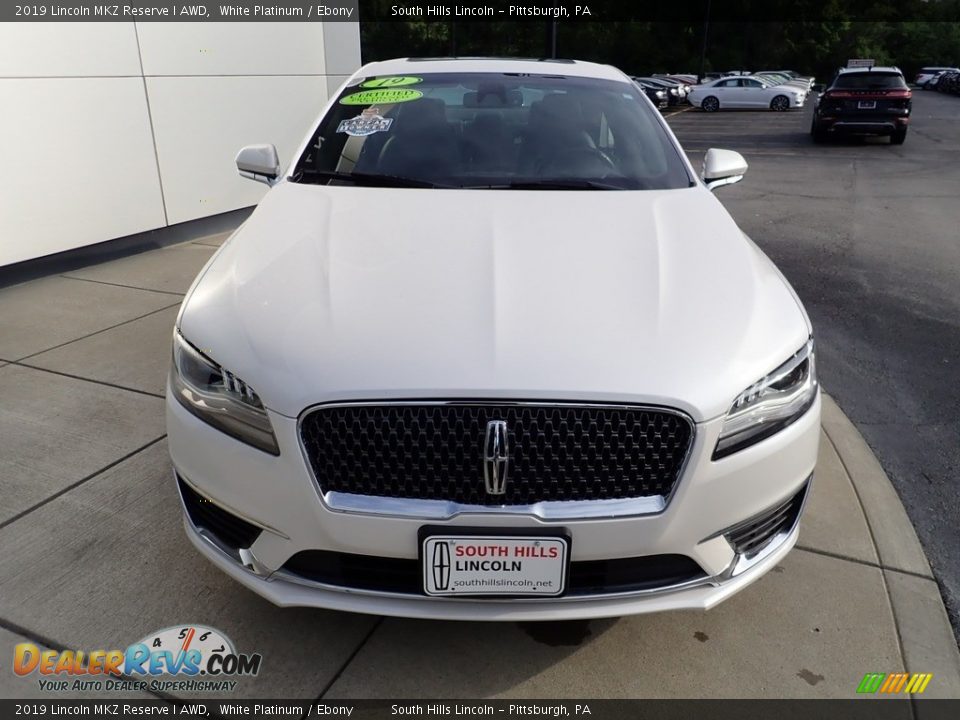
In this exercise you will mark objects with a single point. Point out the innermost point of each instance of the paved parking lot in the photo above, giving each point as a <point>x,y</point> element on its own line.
<point>867,234</point>
<point>94,555</point>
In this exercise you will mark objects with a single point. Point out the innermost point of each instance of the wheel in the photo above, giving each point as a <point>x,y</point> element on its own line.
<point>710,104</point>
<point>898,136</point>
<point>780,103</point>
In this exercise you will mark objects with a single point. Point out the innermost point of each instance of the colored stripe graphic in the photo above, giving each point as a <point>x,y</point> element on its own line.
<point>871,682</point>
<point>893,683</point>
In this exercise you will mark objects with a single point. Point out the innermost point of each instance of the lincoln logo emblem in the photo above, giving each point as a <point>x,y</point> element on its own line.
<point>496,457</point>
<point>441,566</point>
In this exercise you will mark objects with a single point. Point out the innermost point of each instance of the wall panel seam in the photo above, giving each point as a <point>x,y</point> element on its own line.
<point>153,134</point>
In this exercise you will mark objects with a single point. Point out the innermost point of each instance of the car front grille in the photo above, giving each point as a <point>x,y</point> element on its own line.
<point>405,576</point>
<point>435,451</point>
<point>752,536</point>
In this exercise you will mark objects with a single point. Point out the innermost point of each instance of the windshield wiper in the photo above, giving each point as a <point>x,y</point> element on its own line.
<point>371,179</point>
<point>550,184</point>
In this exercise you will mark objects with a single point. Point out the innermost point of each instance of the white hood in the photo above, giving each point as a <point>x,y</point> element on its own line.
<point>345,293</point>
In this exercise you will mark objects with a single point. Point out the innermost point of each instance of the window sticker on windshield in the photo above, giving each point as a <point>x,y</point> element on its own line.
<point>368,122</point>
<point>381,97</point>
<point>389,82</point>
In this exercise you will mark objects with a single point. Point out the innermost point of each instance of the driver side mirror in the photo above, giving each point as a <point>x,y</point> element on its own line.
<point>260,163</point>
<point>722,167</point>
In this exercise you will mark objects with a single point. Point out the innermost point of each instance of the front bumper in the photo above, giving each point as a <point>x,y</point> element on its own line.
<point>278,496</point>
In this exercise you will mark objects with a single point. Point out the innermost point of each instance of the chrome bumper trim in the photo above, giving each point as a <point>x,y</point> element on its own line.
<point>742,563</point>
<point>444,510</point>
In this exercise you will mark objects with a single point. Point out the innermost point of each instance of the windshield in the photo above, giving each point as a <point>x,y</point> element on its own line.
<point>493,130</point>
<point>870,81</point>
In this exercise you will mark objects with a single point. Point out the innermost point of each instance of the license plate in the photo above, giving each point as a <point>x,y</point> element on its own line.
<point>866,105</point>
<point>469,565</point>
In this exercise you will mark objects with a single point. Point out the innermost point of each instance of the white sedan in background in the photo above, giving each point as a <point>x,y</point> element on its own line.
<point>745,92</point>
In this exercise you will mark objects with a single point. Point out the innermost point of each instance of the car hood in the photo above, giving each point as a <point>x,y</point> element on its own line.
<point>336,293</point>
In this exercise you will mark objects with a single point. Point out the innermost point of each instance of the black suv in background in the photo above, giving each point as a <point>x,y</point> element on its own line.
<point>864,101</point>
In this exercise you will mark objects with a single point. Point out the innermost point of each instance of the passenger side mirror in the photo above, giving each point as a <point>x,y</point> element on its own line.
<point>722,167</point>
<point>260,163</point>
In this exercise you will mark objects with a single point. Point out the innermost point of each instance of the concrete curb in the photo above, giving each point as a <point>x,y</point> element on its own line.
<point>897,545</point>
<point>926,636</point>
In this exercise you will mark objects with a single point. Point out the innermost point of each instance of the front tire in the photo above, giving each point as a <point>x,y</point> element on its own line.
<point>780,103</point>
<point>898,136</point>
<point>710,104</point>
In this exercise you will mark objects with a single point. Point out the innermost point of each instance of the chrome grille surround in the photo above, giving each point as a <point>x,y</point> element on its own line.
<point>625,499</point>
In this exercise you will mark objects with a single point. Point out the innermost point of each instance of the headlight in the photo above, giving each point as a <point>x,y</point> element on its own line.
<point>770,404</point>
<point>219,397</point>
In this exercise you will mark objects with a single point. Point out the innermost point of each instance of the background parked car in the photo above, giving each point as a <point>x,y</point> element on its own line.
<point>864,101</point>
<point>688,80</point>
<point>778,78</point>
<point>928,73</point>
<point>746,92</point>
<point>787,77</point>
<point>797,76</point>
<point>949,82</point>
<point>675,92</point>
<point>657,95</point>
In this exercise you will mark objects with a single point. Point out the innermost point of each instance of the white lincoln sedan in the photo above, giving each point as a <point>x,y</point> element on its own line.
<point>746,93</point>
<point>490,349</point>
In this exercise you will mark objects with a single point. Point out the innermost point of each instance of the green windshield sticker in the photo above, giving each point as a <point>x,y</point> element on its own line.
<point>381,97</point>
<point>389,82</point>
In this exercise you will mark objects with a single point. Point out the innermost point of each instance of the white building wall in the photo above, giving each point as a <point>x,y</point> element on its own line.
<point>110,129</point>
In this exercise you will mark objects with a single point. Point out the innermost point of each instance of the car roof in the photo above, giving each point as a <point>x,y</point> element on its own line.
<point>875,68</point>
<point>576,68</point>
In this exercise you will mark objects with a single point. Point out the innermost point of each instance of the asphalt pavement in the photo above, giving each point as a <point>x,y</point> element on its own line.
<point>869,235</point>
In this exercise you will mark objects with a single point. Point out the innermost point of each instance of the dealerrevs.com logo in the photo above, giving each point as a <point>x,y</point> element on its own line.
<point>180,658</point>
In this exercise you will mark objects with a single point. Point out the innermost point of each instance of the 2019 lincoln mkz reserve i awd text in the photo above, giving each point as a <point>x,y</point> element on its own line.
<point>490,349</point>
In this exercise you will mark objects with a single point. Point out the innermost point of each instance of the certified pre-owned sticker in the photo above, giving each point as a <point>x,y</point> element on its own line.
<point>390,82</point>
<point>368,122</point>
<point>381,97</point>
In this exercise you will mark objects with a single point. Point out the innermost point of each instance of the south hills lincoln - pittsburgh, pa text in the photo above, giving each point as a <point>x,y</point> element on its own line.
<point>515,11</point>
